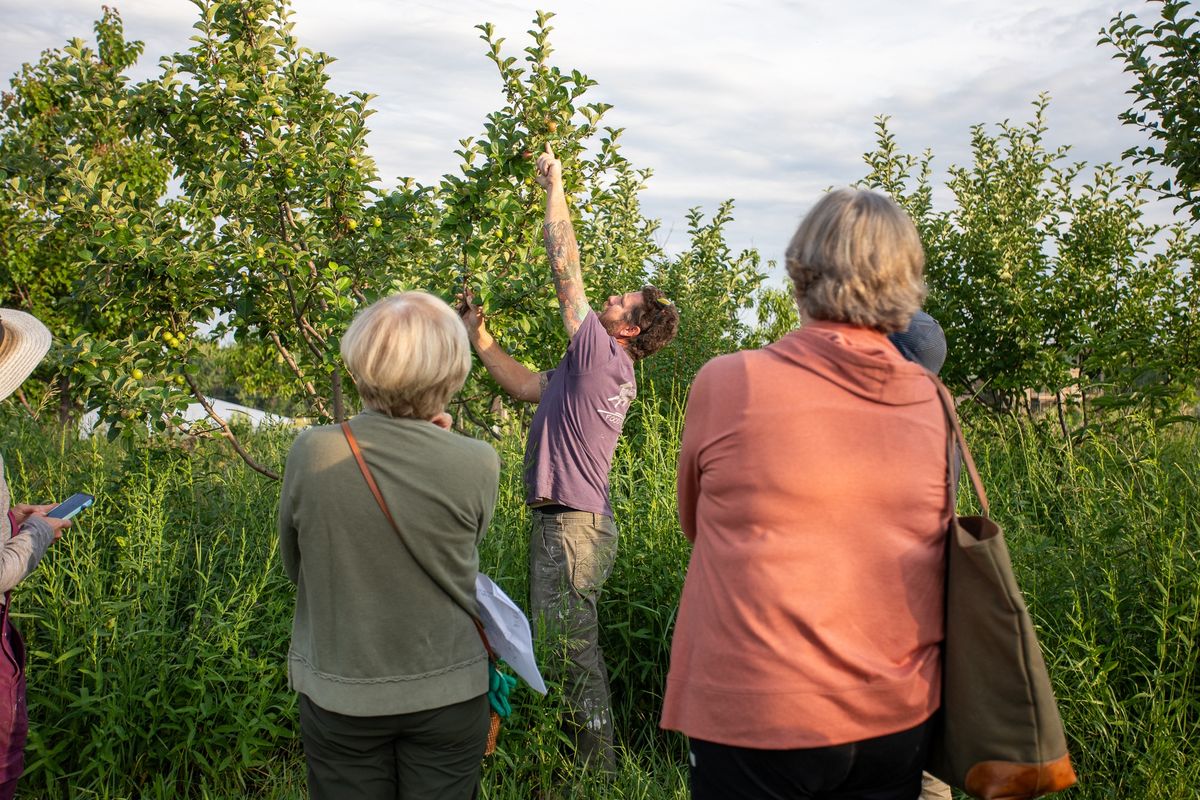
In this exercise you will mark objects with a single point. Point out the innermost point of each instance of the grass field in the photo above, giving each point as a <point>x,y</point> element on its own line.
<point>158,626</point>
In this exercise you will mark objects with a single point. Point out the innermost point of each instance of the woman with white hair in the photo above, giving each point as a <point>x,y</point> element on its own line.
<point>391,671</point>
<point>25,535</point>
<point>812,483</point>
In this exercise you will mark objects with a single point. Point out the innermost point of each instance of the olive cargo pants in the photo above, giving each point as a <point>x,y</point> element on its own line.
<point>571,554</point>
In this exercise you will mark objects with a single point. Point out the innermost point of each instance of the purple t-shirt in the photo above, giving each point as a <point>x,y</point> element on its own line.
<point>574,432</point>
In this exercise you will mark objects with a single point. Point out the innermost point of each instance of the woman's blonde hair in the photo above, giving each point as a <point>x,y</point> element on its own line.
<point>857,258</point>
<point>408,354</point>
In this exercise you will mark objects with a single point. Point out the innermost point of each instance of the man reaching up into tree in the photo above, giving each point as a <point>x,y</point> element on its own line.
<point>581,407</point>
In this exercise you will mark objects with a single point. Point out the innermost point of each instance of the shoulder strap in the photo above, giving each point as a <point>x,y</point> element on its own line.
<point>955,434</point>
<point>366,473</point>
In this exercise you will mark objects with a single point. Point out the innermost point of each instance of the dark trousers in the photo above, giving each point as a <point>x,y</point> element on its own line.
<point>571,554</point>
<point>14,716</point>
<point>426,755</point>
<point>883,768</point>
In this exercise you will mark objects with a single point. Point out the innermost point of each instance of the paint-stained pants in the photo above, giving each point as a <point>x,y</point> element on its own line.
<point>14,717</point>
<point>570,557</point>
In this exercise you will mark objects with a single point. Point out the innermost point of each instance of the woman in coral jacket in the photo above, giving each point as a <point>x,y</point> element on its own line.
<point>812,483</point>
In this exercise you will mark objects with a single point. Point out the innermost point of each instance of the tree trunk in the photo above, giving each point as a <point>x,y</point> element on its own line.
<point>1062,418</point>
<point>339,409</point>
<point>65,406</point>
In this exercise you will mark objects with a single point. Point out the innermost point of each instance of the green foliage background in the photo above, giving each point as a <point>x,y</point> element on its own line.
<point>1046,277</point>
<point>274,227</point>
<point>1161,52</point>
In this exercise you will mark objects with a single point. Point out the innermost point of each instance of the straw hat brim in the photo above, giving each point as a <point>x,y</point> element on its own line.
<point>26,342</point>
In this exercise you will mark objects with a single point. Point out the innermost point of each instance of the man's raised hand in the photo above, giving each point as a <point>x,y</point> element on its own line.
<point>549,170</point>
<point>472,317</point>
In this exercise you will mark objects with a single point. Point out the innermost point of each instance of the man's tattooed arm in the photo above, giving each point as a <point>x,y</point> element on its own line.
<point>563,251</point>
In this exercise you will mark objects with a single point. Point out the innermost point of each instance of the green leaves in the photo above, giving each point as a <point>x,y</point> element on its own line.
<point>1162,59</point>
<point>273,230</point>
<point>1046,277</point>
<point>711,286</point>
<point>87,174</point>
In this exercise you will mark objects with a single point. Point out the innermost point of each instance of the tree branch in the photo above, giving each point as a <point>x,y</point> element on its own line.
<point>305,329</point>
<point>339,409</point>
<point>317,400</point>
<point>20,395</point>
<point>227,432</point>
<point>476,421</point>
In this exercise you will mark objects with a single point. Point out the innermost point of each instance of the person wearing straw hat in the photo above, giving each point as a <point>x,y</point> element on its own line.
<point>25,534</point>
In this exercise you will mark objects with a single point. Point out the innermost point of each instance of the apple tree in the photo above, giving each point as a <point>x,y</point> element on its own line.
<point>1045,274</point>
<point>268,237</point>
<point>712,286</point>
<point>234,197</point>
<point>68,129</point>
<point>492,222</point>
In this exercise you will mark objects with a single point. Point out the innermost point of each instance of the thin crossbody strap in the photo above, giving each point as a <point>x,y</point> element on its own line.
<point>366,473</point>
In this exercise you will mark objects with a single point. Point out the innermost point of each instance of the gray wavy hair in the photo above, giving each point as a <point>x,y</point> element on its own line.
<point>857,258</point>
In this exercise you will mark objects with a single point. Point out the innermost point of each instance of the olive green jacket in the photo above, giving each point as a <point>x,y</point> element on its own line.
<point>375,632</point>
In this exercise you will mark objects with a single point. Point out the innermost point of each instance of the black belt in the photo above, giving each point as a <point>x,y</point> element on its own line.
<point>554,508</point>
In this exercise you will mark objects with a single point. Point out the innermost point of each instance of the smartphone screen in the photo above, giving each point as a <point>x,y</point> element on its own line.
<point>71,506</point>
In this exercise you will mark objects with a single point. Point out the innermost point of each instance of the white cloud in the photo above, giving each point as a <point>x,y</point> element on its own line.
<point>765,102</point>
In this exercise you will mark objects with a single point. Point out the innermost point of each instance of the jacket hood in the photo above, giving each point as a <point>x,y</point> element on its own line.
<point>860,360</point>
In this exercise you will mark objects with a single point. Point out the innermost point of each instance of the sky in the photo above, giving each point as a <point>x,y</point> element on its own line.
<point>767,103</point>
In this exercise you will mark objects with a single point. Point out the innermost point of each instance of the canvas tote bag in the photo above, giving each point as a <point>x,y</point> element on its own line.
<point>1000,736</point>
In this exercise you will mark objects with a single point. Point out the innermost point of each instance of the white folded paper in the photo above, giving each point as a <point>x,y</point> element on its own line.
<point>507,630</point>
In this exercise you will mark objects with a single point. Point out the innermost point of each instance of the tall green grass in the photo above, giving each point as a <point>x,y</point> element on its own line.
<point>1106,538</point>
<point>154,625</point>
<point>158,625</point>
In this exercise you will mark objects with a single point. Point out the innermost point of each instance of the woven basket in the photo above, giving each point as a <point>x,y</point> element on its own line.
<point>493,734</point>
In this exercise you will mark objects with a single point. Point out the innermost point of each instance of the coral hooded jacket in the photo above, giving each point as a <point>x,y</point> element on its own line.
<point>812,482</point>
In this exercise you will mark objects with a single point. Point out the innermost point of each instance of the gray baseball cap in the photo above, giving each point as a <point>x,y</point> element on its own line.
<point>923,342</point>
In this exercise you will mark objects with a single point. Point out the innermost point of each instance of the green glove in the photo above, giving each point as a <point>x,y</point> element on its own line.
<point>499,688</point>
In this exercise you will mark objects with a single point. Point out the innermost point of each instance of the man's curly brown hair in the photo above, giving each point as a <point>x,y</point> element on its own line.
<point>658,320</point>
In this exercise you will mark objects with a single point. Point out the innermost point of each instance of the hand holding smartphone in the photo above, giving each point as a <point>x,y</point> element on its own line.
<point>71,506</point>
